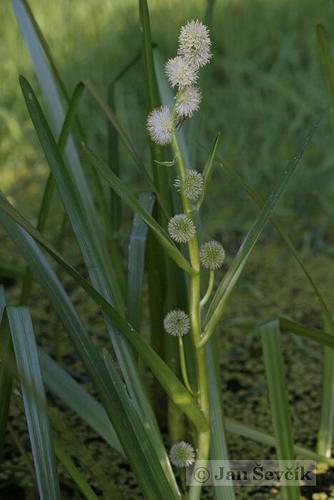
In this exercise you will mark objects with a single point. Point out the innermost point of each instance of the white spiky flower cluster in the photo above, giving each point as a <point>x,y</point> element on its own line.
<point>212,255</point>
<point>192,184</point>
<point>187,102</point>
<point>180,73</point>
<point>160,125</point>
<point>181,228</point>
<point>182,454</point>
<point>177,323</point>
<point>195,44</point>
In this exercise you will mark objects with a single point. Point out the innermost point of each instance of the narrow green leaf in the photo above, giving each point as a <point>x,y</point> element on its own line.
<point>50,183</point>
<point>34,402</point>
<point>78,478</point>
<point>208,169</point>
<point>51,84</point>
<point>133,203</point>
<point>325,432</point>
<point>5,375</point>
<point>113,161</point>
<point>262,437</point>
<point>326,57</point>
<point>95,366</point>
<point>278,396</point>
<point>60,383</point>
<point>230,279</point>
<point>126,141</point>
<point>136,263</point>
<point>286,238</point>
<point>144,442</point>
<point>314,334</point>
<point>93,247</point>
<point>218,446</point>
<point>175,390</point>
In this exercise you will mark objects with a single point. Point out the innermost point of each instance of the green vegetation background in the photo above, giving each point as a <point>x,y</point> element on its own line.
<point>262,90</point>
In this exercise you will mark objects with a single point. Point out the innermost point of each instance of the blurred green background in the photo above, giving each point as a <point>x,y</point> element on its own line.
<point>263,90</point>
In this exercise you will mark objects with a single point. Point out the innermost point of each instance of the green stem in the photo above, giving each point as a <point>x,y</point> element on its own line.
<point>209,289</point>
<point>196,327</point>
<point>184,366</point>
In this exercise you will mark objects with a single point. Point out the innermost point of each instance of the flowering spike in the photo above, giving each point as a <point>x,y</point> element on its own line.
<point>182,454</point>
<point>181,228</point>
<point>212,255</point>
<point>194,43</point>
<point>187,101</point>
<point>177,323</point>
<point>180,73</point>
<point>160,125</point>
<point>192,184</point>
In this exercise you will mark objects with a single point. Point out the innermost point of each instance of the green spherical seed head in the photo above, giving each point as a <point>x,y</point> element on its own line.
<point>181,228</point>
<point>192,185</point>
<point>177,323</point>
<point>212,255</point>
<point>182,454</point>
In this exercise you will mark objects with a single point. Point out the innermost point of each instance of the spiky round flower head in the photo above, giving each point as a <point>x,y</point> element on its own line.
<point>194,43</point>
<point>177,323</point>
<point>182,454</point>
<point>160,125</point>
<point>192,185</point>
<point>180,72</point>
<point>187,101</point>
<point>181,228</point>
<point>212,255</point>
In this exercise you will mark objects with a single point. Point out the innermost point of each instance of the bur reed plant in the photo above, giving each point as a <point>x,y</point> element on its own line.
<point>188,289</point>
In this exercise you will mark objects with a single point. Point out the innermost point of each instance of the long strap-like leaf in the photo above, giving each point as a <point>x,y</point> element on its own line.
<point>5,375</point>
<point>161,477</point>
<point>230,279</point>
<point>34,402</point>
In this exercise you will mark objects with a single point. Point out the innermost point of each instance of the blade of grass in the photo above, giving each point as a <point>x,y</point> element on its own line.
<point>5,375</point>
<point>78,478</point>
<point>98,374</point>
<point>208,169</point>
<point>136,262</point>
<point>60,383</point>
<point>286,238</point>
<point>50,83</point>
<point>325,432</point>
<point>163,286</point>
<point>262,437</point>
<point>94,252</point>
<point>50,183</point>
<point>314,334</point>
<point>54,92</point>
<point>136,423</point>
<point>34,402</point>
<point>175,390</point>
<point>113,161</point>
<point>133,203</point>
<point>126,141</point>
<point>218,445</point>
<point>219,301</point>
<point>278,396</point>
